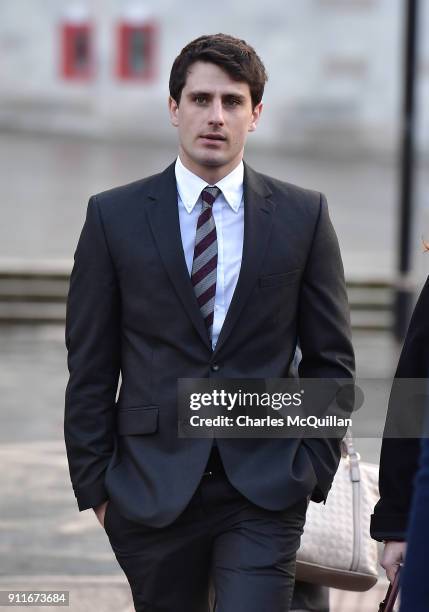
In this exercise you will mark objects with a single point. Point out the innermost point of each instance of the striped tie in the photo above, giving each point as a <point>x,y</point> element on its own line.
<point>204,265</point>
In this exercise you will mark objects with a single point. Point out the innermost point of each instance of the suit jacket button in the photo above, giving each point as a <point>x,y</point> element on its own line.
<point>215,367</point>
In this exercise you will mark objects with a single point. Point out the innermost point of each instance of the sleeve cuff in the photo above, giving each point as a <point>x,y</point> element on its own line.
<point>320,495</point>
<point>389,527</point>
<point>91,496</point>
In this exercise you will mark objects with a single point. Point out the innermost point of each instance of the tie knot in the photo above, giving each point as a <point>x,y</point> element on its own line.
<point>209,195</point>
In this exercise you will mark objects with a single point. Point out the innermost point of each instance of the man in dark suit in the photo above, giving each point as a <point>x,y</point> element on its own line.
<point>206,270</point>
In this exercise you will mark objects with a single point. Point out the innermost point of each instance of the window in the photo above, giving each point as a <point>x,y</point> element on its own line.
<point>76,51</point>
<point>136,52</point>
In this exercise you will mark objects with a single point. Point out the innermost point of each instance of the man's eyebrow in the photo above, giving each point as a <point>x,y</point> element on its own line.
<point>238,96</point>
<point>230,94</point>
<point>199,93</point>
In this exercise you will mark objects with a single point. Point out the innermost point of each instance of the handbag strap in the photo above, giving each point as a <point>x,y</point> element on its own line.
<point>348,450</point>
<point>355,478</point>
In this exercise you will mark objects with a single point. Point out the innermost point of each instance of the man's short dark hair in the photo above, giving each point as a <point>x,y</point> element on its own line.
<point>231,54</point>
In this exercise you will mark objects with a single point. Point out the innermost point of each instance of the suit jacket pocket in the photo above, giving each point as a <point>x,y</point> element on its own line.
<point>137,421</point>
<point>280,279</point>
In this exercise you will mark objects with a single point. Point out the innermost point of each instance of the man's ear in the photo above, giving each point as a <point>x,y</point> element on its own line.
<point>173,108</point>
<point>256,113</point>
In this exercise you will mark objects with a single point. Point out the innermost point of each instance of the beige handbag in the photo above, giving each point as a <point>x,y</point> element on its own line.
<point>336,547</point>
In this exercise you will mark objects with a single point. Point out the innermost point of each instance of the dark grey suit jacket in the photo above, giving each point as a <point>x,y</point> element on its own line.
<point>132,311</point>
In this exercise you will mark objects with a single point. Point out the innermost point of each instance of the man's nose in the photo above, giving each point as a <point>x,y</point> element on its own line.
<point>216,113</point>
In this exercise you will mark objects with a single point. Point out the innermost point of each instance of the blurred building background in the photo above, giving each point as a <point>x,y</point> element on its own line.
<point>83,107</point>
<point>101,67</point>
<point>93,75</point>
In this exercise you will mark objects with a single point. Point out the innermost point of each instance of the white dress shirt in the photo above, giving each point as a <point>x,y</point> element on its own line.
<point>228,212</point>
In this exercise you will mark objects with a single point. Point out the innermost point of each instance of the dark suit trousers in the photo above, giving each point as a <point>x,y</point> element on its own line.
<point>220,540</point>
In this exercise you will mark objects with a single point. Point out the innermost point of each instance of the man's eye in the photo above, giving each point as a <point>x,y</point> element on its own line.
<point>232,102</point>
<point>200,99</point>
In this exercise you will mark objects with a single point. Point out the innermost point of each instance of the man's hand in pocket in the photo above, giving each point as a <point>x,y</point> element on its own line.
<point>100,512</point>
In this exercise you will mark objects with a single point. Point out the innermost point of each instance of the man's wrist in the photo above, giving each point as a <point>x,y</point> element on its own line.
<point>98,506</point>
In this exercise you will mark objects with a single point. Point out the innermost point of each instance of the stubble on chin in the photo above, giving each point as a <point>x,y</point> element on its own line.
<point>210,161</point>
<point>213,163</point>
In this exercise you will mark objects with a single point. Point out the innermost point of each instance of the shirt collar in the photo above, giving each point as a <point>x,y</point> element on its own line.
<point>190,186</point>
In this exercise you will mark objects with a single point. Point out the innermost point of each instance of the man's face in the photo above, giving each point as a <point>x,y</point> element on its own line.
<point>213,118</point>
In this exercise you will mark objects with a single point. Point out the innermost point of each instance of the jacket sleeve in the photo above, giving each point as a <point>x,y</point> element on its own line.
<point>324,334</point>
<point>399,456</point>
<point>92,341</point>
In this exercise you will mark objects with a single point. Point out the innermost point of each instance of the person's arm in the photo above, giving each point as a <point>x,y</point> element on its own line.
<point>324,334</point>
<point>93,344</point>
<point>398,464</point>
<point>399,456</point>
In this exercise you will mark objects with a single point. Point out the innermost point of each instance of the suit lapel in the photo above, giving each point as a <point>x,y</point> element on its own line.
<point>258,219</point>
<point>164,221</point>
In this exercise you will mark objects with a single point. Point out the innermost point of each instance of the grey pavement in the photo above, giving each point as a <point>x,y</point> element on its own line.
<point>44,540</point>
